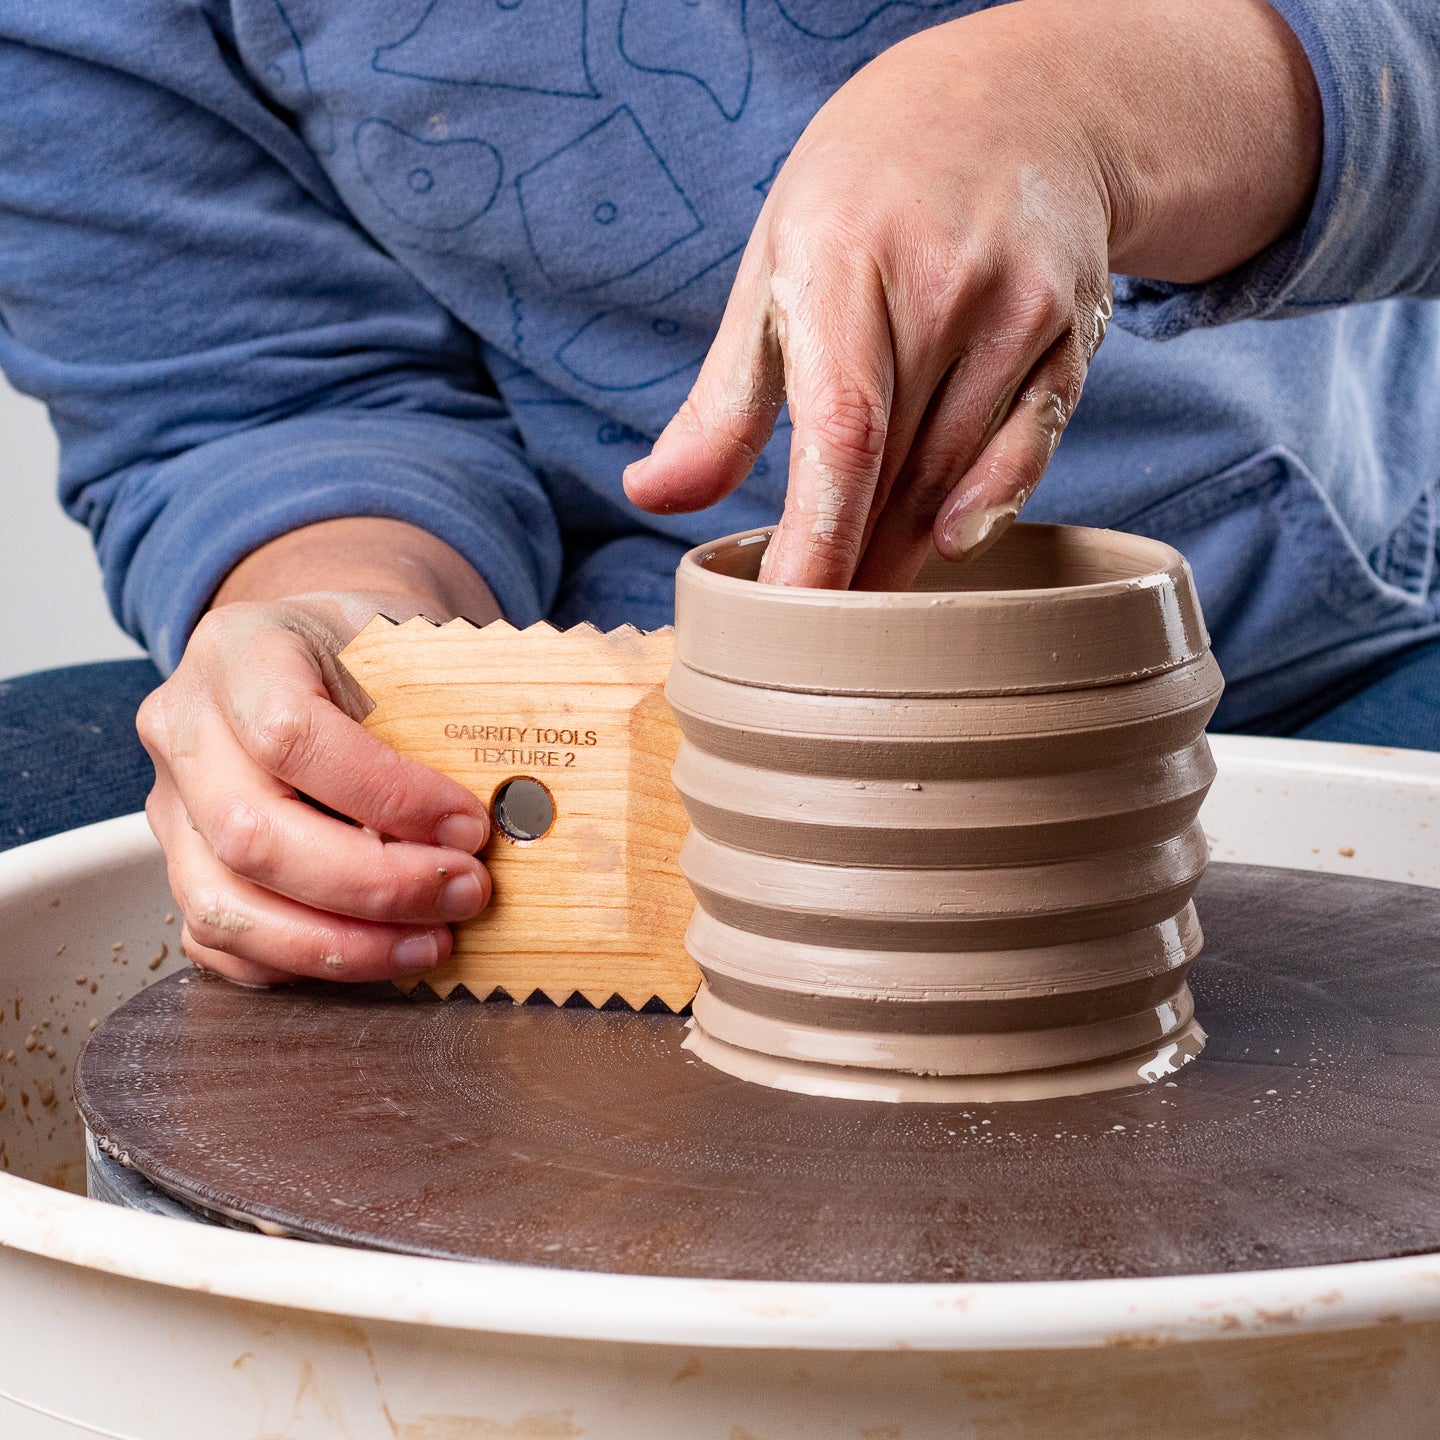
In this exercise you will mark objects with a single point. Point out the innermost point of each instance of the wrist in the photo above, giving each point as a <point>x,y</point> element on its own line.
<point>344,613</point>
<point>1203,121</point>
<point>359,566</point>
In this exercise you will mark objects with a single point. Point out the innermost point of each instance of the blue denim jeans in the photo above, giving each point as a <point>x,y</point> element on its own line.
<point>69,754</point>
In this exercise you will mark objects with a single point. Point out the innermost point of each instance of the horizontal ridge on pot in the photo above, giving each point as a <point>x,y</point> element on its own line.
<point>960,907</point>
<point>951,831</point>
<point>905,737</point>
<point>983,820</point>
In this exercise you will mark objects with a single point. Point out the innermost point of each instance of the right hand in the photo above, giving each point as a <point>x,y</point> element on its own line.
<point>258,717</point>
<point>928,278</point>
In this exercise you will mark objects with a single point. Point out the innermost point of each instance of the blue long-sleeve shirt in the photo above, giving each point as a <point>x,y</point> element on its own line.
<point>456,262</point>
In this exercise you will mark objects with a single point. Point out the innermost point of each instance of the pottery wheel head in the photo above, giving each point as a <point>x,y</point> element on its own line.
<point>1307,1133</point>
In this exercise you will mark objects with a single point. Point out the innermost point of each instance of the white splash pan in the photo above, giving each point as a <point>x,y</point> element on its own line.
<point>127,1325</point>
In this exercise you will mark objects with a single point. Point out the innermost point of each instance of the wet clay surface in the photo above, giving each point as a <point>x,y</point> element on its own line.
<point>1308,1132</point>
<point>934,831</point>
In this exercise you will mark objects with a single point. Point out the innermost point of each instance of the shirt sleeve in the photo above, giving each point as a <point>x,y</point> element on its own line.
<point>225,356</point>
<point>1373,232</point>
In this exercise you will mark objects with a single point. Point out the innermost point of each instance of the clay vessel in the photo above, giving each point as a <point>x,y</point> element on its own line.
<point>943,842</point>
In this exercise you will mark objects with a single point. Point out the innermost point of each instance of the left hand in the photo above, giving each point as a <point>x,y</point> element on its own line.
<point>928,280</point>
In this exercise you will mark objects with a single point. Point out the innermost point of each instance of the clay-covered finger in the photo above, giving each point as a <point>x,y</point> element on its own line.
<point>839,377</point>
<point>263,832</point>
<point>987,500</point>
<point>240,972</point>
<point>1005,326</point>
<point>233,917</point>
<point>279,711</point>
<point>956,336</point>
<point>964,413</point>
<point>167,818</point>
<point>712,442</point>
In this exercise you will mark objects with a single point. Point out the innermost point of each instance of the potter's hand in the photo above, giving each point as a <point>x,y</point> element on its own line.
<point>929,277</point>
<point>257,716</point>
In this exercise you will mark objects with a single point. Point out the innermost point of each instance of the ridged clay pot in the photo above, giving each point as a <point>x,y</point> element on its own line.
<point>943,842</point>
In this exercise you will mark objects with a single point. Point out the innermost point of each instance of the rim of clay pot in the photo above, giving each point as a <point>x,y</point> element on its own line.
<point>1050,607</point>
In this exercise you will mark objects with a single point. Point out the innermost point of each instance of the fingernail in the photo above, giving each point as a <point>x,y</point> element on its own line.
<point>970,534</point>
<point>417,951</point>
<point>461,897</point>
<point>462,832</point>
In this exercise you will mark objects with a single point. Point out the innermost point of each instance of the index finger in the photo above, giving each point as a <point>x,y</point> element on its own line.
<point>281,714</point>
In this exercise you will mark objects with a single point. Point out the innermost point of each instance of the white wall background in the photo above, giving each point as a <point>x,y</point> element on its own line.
<point>50,594</point>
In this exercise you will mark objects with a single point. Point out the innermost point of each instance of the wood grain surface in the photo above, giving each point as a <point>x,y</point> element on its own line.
<point>596,906</point>
<point>1308,1131</point>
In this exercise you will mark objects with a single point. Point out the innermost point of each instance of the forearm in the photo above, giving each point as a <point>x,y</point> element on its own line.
<point>1200,119</point>
<point>370,559</point>
<point>1210,134</point>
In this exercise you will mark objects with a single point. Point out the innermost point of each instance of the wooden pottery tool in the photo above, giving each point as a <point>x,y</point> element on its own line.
<point>567,738</point>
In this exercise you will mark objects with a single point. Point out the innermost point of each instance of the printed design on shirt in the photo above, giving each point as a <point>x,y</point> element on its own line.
<point>287,74</point>
<point>702,40</point>
<point>763,186</point>
<point>617,432</point>
<point>517,311</point>
<point>634,349</point>
<point>535,45</point>
<point>521,387</point>
<point>436,185</point>
<point>603,206</point>
<point>840,19</point>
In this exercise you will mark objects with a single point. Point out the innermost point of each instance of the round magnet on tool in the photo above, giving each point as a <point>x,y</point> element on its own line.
<point>524,809</point>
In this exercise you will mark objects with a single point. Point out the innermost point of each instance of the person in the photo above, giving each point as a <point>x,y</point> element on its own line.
<point>484,307</point>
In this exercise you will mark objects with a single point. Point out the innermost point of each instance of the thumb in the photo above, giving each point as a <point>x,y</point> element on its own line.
<point>713,441</point>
